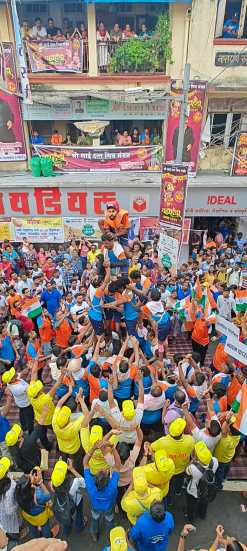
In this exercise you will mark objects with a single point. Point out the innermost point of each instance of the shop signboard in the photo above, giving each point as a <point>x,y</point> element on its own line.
<point>239,162</point>
<point>193,127</point>
<point>6,229</point>
<point>231,59</point>
<point>111,158</point>
<point>174,182</point>
<point>38,230</point>
<point>12,143</point>
<point>63,57</point>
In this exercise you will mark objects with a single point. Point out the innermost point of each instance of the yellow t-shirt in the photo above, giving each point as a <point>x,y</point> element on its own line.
<point>157,478</point>
<point>97,462</point>
<point>44,399</point>
<point>178,450</point>
<point>92,255</point>
<point>135,504</point>
<point>226,447</point>
<point>68,437</point>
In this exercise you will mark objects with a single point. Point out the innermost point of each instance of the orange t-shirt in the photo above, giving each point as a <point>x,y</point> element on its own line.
<point>220,356</point>
<point>200,332</point>
<point>11,300</point>
<point>233,389</point>
<point>77,350</point>
<point>56,139</point>
<point>46,332</point>
<point>63,333</point>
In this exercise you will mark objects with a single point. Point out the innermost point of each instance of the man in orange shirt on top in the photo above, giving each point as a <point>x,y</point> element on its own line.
<point>116,221</point>
<point>63,329</point>
<point>56,139</point>
<point>200,336</point>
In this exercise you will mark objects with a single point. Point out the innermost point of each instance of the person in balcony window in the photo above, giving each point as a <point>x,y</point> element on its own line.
<point>128,33</point>
<point>67,28</point>
<point>145,137</point>
<point>231,26</point>
<point>25,30</point>
<point>102,38</point>
<point>116,33</point>
<point>36,138</point>
<point>144,33</point>
<point>135,136</point>
<point>56,139</point>
<point>38,31</point>
<point>125,138</point>
<point>51,29</point>
<point>83,30</point>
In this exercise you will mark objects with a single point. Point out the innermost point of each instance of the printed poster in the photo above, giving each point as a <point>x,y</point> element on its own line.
<point>6,229</point>
<point>91,159</point>
<point>193,126</point>
<point>66,56</point>
<point>38,230</point>
<point>239,164</point>
<point>168,250</point>
<point>174,182</point>
<point>12,143</point>
<point>11,81</point>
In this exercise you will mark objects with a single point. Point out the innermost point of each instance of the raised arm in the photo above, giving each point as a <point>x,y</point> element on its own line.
<point>188,417</point>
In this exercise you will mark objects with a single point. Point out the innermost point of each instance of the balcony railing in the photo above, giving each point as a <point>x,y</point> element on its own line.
<point>128,56</point>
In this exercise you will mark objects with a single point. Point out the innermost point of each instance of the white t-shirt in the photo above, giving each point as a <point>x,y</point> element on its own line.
<point>19,393</point>
<point>196,475</point>
<point>210,441</point>
<point>128,436</point>
<point>78,309</point>
<point>75,489</point>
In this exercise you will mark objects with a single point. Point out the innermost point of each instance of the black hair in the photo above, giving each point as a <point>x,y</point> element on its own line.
<point>135,274</point>
<point>177,358</point>
<point>234,546</point>
<point>61,362</point>
<point>107,236</point>
<point>200,378</point>
<point>145,371</point>
<point>24,493</point>
<point>156,391</point>
<point>101,480</point>
<point>179,396</point>
<point>118,284</point>
<point>5,484</point>
<point>103,395</point>
<point>155,295</point>
<point>219,389</point>
<point>157,511</point>
<point>214,428</point>
<point>95,371</point>
<point>124,451</point>
<point>56,350</point>
<point>123,366</point>
<point>72,340</point>
<point>25,289</point>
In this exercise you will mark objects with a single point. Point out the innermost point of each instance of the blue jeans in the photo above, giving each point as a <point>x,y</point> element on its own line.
<point>222,473</point>
<point>35,533</point>
<point>107,516</point>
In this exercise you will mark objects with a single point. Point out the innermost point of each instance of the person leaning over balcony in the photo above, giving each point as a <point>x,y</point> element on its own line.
<point>38,31</point>
<point>56,139</point>
<point>125,138</point>
<point>116,33</point>
<point>128,33</point>
<point>144,33</point>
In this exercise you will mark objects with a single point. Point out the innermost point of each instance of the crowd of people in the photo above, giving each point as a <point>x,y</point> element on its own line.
<point>39,31</point>
<point>126,138</point>
<point>86,331</point>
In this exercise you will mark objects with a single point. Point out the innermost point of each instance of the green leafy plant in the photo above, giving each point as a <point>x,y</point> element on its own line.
<point>147,55</point>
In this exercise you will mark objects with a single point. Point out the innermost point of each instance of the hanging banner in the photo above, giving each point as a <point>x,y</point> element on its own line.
<point>186,231</point>
<point>6,229</point>
<point>91,159</point>
<point>63,57</point>
<point>11,81</point>
<point>193,126</point>
<point>22,63</point>
<point>168,249</point>
<point>226,327</point>
<point>174,182</point>
<point>81,228</point>
<point>236,349</point>
<point>239,162</point>
<point>38,230</point>
<point>12,143</point>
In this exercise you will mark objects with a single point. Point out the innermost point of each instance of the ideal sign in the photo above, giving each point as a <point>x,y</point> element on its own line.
<point>221,200</point>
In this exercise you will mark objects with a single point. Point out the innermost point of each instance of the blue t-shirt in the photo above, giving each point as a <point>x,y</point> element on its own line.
<point>6,350</point>
<point>105,499</point>
<point>52,300</point>
<point>148,534</point>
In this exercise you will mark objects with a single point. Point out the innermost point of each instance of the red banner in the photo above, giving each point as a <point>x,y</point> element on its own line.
<point>12,143</point>
<point>87,159</point>
<point>173,195</point>
<point>149,227</point>
<point>10,68</point>
<point>65,56</point>
<point>239,165</point>
<point>193,127</point>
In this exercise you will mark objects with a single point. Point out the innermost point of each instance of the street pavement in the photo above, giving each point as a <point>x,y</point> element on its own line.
<point>224,510</point>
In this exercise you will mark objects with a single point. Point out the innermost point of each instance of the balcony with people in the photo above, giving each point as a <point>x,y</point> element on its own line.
<point>120,39</point>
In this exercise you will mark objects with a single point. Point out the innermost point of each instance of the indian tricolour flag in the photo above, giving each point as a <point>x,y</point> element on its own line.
<point>183,308</point>
<point>241,300</point>
<point>32,308</point>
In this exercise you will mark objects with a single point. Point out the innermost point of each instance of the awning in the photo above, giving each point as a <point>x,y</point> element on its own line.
<point>138,1</point>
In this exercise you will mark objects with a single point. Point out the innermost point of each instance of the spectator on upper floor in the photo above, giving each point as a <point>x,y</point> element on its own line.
<point>56,139</point>
<point>144,33</point>
<point>125,138</point>
<point>51,29</point>
<point>38,31</point>
<point>231,26</point>
<point>128,33</point>
<point>36,138</point>
<point>116,33</point>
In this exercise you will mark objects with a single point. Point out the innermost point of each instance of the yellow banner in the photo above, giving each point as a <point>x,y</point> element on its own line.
<point>46,230</point>
<point>6,231</point>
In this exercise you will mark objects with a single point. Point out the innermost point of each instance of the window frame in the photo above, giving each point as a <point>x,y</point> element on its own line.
<point>220,18</point>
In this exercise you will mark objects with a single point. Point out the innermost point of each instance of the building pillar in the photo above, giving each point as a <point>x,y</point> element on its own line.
<point>92,42</point>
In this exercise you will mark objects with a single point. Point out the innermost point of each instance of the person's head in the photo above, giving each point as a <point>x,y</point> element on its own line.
<point>176,428</point>
<point>179,397</point>
<point>123,366</point>
<point>103,395</point>
<point>38,23</point>
<point>35,389</point>
<point>14,435</point>
<point>101,479</point>
<point>143,28</point>
<point>116,28</point>
<point>155,295</point>
<point>95,371</point>
<point>125,133</point>
<point>50,23</point>
<point>199,378</point>
<point>140,481</point>
<point>59,473</point>
<point>157,511</point>
<point>127,27</point>
<point>25,25</point>
<point>101,26</point>
<point>108,237</point>
<point>123,451</point>
<point>155,390</point>
<point>214,428</point>
<point>128,410</point>
<point>5,481</point>
<point>233,545</point>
